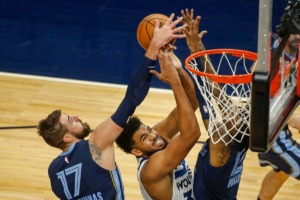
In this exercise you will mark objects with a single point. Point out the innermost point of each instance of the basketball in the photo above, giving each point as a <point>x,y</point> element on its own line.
<point>146,27</point>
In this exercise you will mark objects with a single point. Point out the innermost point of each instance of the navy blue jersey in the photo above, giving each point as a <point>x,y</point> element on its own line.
<point>75,175</point>
<point>219,183</point>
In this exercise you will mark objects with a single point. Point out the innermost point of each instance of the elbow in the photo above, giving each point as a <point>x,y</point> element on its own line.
<point>195,130</point>
<point>191,135</point>
<point>194,137</point>
<point>195,104</point>
<point>196,133</point>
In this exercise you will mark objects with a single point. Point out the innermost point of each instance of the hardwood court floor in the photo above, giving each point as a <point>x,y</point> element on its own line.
<point>24,157</point>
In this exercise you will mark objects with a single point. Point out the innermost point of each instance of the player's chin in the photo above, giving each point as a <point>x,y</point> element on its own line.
<point>163,145</point>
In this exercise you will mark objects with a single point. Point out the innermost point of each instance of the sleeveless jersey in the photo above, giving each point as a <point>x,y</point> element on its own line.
<point>219,183</point>
<point>75,175</point>
<point>182,181</point>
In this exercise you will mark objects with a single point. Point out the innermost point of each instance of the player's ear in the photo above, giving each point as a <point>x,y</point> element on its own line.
<point>136,152</point>
<point>68,138</point>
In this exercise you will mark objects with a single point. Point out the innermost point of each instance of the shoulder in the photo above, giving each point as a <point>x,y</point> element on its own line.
<point>141,162</point>
<point>105,134</point>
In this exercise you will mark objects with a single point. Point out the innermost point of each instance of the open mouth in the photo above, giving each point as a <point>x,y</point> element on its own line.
<point>158,141</point>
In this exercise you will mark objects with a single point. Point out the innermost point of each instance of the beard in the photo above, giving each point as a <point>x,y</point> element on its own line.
<point>149,153</point>
<point>85,132</point>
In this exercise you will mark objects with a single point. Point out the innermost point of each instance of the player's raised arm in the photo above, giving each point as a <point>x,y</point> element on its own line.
<point>169,126</point>
<point>154,147</point>
<point>138,87</point>
<point>179,145</point>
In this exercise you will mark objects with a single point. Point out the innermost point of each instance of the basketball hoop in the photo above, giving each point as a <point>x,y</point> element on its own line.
<point>224,79</point>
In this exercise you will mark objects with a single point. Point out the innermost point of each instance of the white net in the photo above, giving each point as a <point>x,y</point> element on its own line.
<point>228,103</point>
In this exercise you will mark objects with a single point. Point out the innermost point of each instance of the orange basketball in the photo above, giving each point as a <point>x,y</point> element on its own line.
<point>146,27</point>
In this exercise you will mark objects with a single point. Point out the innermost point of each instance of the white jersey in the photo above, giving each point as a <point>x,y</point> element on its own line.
<point>182,181</point>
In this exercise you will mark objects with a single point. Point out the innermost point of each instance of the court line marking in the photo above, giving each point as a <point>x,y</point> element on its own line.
<point>73,81</point>
<point>94,83</point>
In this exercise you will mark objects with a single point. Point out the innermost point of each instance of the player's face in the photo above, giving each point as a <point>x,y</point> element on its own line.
<point>148,141</point>
<point>75,126</point>
<point>294,41</point>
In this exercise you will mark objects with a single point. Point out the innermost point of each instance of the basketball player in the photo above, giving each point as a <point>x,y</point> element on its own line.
<point>86,169</point>
<point>219,166</point>
<point>284,156</point>
<point>160,151</point>
<point>163,174</point>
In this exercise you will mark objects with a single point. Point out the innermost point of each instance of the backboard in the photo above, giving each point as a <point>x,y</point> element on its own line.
<point>274,82</point>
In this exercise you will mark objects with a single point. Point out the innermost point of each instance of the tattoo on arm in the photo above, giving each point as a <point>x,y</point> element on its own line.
<point>223,155</point>
<point>96,153</point>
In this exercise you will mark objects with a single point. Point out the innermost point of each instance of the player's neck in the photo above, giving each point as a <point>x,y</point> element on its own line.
<point>70,144</point>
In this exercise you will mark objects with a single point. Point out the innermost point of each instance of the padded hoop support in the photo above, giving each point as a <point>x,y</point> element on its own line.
<point>269,112</point>
<point>260,104</point>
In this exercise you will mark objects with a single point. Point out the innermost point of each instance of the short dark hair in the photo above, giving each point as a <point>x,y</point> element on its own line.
<point>52,130</point>
<point>125,141</point>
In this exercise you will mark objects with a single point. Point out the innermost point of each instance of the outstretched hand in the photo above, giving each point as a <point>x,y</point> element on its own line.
<point>164,35</point>
<point>168,63</point>
<point>168,31</point>
<point>193,39</point>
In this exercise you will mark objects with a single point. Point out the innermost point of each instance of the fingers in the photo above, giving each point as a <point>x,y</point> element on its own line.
<point>197,22</point>
<point>183,15</point>
<point>180,31</point>
<point>155,73</point>
<point>169,47</point>
<point>168,22</point>
<point>192,24</point>
<point>187,16</point>
<point>177,21</point>
<point>192,13</point>
<point>156,24</point>
<point>201,34</point>
<point>182,22</point>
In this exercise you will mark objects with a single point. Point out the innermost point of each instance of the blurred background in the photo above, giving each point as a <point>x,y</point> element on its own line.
<point>95,40</point>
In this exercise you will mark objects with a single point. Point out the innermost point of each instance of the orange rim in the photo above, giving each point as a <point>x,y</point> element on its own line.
<point>234,79</point>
